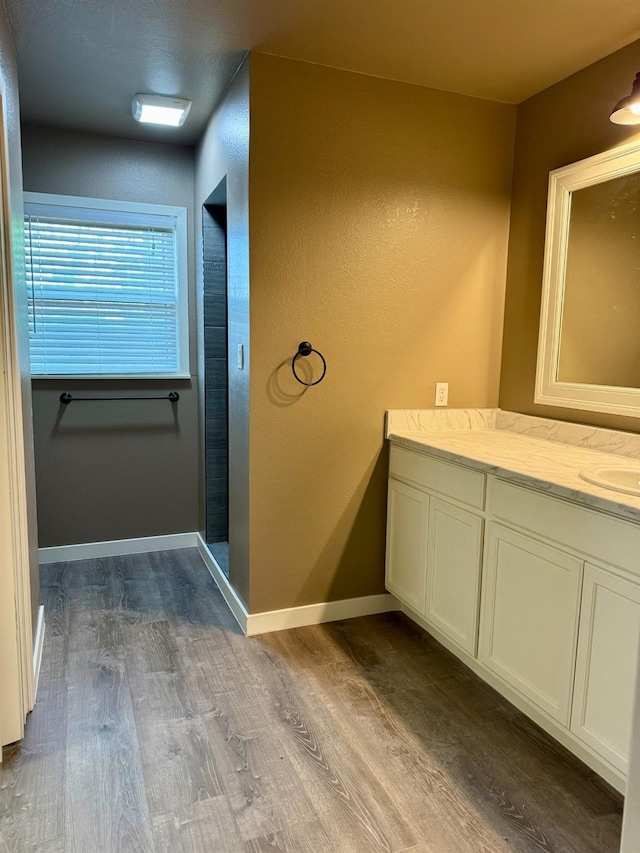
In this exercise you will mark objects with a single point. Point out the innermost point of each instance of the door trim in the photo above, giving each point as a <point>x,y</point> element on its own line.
<point>17,519</point>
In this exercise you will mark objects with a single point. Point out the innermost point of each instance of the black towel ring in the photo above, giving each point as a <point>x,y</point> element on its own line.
<point>306,349</point>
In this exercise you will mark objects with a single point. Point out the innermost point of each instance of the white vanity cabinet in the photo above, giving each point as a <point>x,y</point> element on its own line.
<point>454,557</point>
<point>539,595</point>
<point>606,665</point>
<point>605,551</point>
<point>434,542</point>
<point>531,601</point>
<point>406,565</point>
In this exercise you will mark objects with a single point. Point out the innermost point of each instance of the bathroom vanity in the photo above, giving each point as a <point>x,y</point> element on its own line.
<point>525,571</point>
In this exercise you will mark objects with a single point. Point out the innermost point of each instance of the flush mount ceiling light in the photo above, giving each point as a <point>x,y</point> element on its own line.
<point>160,109</point>
<point>627,111</point>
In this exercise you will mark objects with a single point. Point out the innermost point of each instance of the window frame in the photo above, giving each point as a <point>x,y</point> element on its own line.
<point>179,215</point>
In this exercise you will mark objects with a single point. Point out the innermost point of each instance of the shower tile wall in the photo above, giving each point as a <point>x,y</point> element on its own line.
<point>215,344</point>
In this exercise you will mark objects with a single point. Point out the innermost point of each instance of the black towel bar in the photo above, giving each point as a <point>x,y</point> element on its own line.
<point>67,398</point>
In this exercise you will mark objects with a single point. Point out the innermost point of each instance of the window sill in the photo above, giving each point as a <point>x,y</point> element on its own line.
<point>90,377</point>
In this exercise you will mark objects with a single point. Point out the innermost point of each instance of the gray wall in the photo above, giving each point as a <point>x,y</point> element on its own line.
<point>224,151</point>
<point>114,470</point>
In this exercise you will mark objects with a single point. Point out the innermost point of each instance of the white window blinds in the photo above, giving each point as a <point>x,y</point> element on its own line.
<point>104,291</point>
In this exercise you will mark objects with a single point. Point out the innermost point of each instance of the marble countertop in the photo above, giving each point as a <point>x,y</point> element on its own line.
<point>502,444</point>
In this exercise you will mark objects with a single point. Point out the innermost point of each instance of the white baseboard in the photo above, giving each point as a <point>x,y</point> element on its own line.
<point>116,547</point>
<point>250,623</point>
<point>228,592</point>
<point>314,614</point>
<point>293,617</point>
<point>38,645</point>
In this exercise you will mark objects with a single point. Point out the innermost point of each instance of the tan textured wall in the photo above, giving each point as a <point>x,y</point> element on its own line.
<point>563,124</point>
<point>379,216</point>
<point>224,151</point>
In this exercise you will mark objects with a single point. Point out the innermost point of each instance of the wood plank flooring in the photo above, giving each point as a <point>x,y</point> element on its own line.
<point>159,727</point>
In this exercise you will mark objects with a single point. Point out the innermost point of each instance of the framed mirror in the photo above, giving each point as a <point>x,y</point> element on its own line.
<point>589,343</point>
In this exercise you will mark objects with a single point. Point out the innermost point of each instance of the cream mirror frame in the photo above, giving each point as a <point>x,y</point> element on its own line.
<point>563,183</point>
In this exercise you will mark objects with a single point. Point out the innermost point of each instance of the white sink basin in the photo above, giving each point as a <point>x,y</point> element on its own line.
<point>618,479</point>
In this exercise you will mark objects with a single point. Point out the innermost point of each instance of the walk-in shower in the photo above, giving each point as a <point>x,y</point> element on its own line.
<point>216,403</point>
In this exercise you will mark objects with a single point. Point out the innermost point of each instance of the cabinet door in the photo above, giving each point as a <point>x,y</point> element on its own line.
<point>606,663</point>
<point>529,618</point>
<point>454,553</point>
<point>406,566</point>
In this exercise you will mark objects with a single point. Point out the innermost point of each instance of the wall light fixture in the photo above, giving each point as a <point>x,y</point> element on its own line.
<point>627,110</point>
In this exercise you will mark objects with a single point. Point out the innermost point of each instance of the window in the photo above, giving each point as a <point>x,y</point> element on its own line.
<point>107,288</point>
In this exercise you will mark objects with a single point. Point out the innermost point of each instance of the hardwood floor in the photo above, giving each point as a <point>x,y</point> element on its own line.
<point>159,727</point>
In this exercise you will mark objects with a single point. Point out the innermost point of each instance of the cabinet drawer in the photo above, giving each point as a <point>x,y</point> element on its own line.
<point>446,478</point>
<point>609,539</point>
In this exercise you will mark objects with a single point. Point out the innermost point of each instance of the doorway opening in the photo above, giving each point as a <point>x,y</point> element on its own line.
<point>216,386</point>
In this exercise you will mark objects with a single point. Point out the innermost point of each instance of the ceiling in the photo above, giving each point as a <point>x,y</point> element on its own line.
<point>81,61</point>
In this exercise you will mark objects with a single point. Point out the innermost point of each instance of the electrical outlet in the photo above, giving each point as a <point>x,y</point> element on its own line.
<point>442,393</point>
